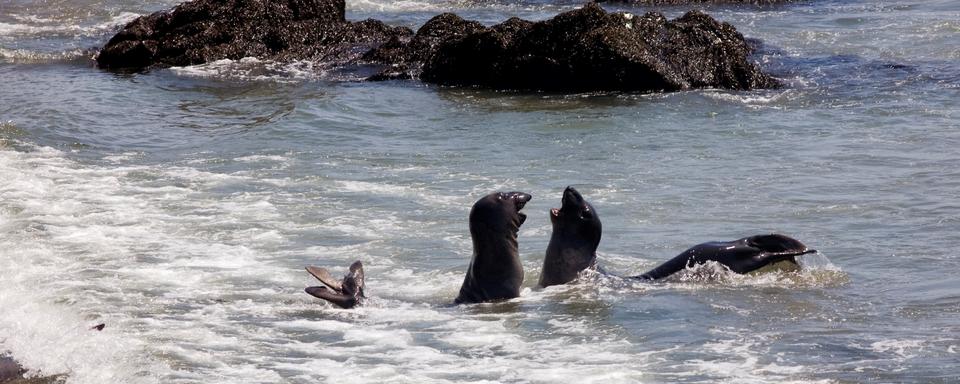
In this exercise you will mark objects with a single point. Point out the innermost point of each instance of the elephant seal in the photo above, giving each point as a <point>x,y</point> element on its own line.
<point>573,244</point>
<point>347,293</point>
<point>741,256</point>
<point>495,272</point>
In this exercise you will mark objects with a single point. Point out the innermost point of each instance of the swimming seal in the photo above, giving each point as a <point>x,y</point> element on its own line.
<point>740,256</point>
<point>573,244</point>
<point>495,272</point>
<point>347,293</point>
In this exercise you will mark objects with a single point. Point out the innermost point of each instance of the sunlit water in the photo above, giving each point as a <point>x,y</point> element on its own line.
<point>180,206</point>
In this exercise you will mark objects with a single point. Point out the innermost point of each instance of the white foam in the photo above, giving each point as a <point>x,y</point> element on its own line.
<point>756,99</point>
<point>199,280</point>
<point>254,69</point>
<point>34,26</point>
<point>903,349</point>
<point>394,338</point>
<point>490,336</point>
<point>263,158</point>
<point>89,225</point>
<point>398,6</point>
<point>739,360</point>
<point>376,188</point>
<point>28,56</point>
<point>316,325</point>
<point>52,339</point>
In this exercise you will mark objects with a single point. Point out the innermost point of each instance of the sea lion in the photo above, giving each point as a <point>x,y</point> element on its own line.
<point>577,231</point>
<point>741,256</point>
<point>344,294</point>
<point>573,244</point>
<point>495,272</point>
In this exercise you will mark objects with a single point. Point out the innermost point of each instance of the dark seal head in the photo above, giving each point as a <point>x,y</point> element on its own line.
<point>347,293</point>
<point>741,256</point>
<point>495,272</point>
<point>573,244</point>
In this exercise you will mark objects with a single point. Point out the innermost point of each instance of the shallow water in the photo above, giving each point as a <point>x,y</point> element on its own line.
<point>179,207</point>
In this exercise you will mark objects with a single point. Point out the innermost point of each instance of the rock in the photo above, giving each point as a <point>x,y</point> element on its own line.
<point>589,49</point>
<point>200,31</point>
<point>10,369</point>
<point>582,50</point>
<point>12,373</point>
<point>437,31</point>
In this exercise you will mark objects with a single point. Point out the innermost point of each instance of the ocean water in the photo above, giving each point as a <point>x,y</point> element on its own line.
<point>180,206</point>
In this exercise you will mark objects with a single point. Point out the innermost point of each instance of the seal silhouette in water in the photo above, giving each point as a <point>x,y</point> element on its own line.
<point>577,230</point>
<point>573,244</point>
<point>347,293</point>
<point>741,256</point>
<point>495,272</point>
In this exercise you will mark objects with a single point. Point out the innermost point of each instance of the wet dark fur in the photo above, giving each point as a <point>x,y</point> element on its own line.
<point>573,244</point>
<point>495,272</point>
<point>741,256</point>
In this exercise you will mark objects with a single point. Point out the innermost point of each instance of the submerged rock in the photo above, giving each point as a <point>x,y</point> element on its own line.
<point>12,373</point>
<point>200,31</point>
<point>10,369</point>
<point>590,49</point>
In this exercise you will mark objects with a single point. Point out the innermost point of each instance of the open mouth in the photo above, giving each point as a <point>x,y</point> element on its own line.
<point>520,204</point>
<point>571,200</point>
<point>520,200</point>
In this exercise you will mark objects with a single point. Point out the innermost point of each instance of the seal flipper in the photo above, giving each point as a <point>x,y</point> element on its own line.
<point>324,276</point>
<point>338,299</point>
<point>345,294</point>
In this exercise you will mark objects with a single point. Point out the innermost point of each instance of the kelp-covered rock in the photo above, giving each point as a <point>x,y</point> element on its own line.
<point>200,31</point>
<point>590,49</point>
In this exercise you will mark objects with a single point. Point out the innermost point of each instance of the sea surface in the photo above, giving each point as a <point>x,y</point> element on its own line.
<point>180,206</point>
